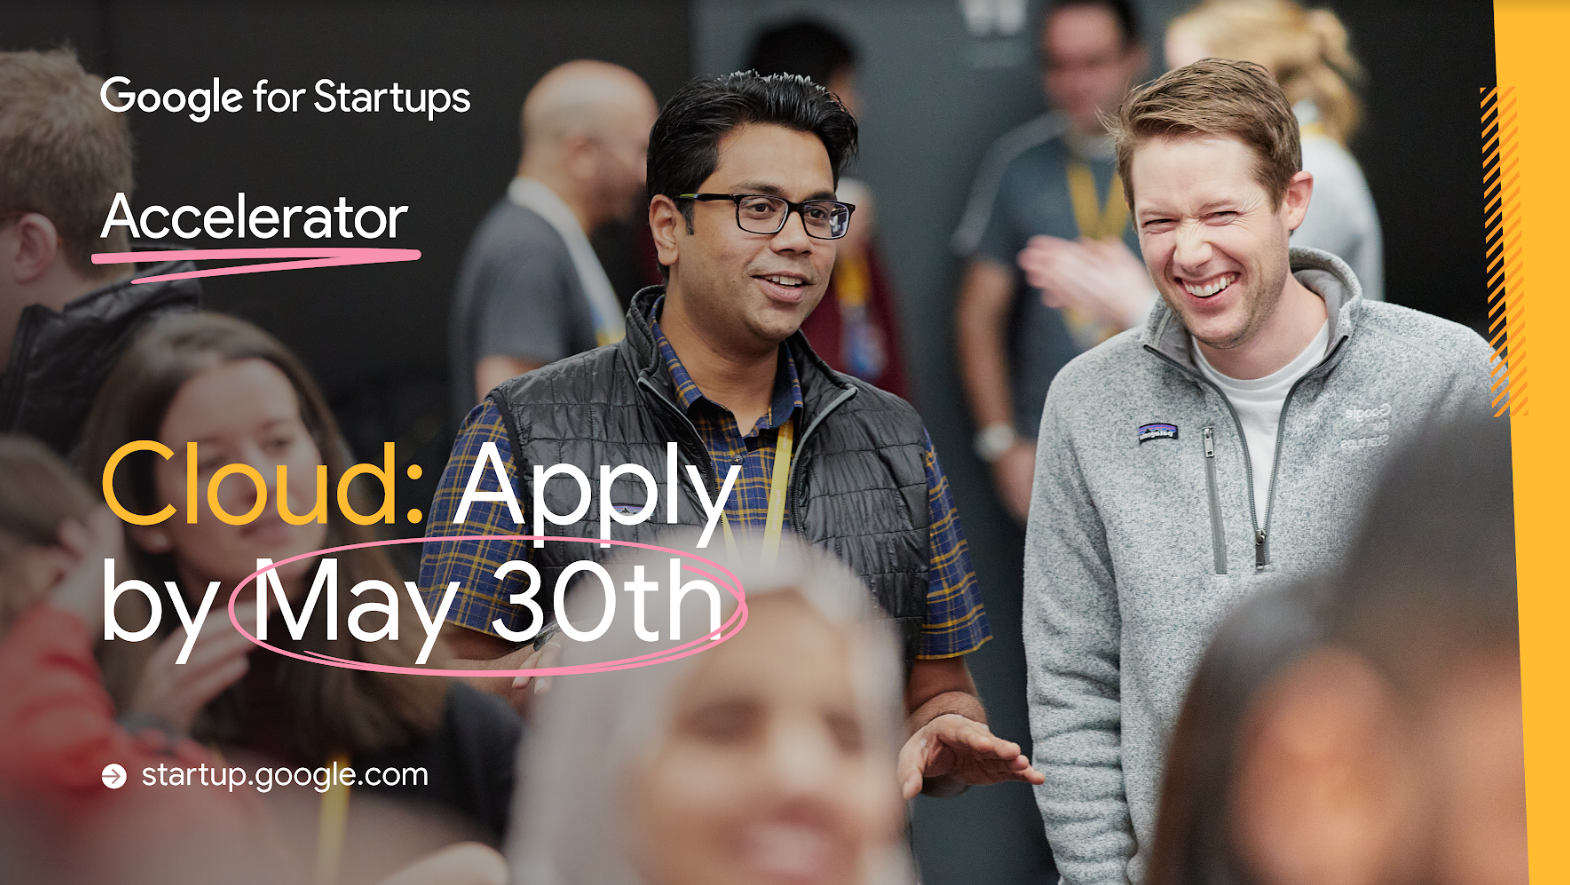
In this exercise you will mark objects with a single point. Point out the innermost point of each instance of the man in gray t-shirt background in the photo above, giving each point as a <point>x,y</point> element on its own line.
<point>531,290</point>
<point>1048,190</point>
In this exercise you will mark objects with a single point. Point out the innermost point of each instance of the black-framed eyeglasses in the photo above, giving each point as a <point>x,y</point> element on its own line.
<point>767,214</point>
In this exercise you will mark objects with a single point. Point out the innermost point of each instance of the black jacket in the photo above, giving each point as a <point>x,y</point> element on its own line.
<point>858,485</point>
<point>467,763</point>
<point>59,360</point>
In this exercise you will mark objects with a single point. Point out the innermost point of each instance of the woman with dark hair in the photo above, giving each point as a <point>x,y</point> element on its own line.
<point>1260,638</point>
<point>66,819</point>
<point>243,399</point>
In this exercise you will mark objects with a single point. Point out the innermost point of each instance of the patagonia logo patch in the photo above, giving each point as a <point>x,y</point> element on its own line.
<point>627,509</point>
<point>1149,432</point>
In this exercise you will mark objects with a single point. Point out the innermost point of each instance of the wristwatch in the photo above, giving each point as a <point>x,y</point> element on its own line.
<point>995,439</point>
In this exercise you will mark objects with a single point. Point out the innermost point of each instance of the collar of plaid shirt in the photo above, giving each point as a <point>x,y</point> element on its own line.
<point>786,398</point>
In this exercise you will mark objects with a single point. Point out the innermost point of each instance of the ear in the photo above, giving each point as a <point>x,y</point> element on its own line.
<point>580,157</point>
<point>35,247</point>
<point>151,538</point>
<point>668,227</point>
<point>1320,785</point>
<point>1295,202</point>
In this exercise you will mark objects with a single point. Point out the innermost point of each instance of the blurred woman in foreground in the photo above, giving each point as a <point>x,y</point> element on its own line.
<point>768,758</point>
<point>1368,730</point>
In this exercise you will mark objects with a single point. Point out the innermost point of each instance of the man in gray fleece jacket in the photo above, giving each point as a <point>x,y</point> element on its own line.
<point>1227,445</point>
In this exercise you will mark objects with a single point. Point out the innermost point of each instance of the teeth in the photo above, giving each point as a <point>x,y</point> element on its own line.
<point>788,850</point>
<point>784,281</point>
<point>1213,288</point>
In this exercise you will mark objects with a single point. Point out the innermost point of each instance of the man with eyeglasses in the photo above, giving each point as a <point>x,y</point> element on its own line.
<point>742,175</point>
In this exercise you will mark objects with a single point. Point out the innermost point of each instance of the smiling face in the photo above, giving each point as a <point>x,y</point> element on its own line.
<point>1214,241</point>
<point>764,775</point>
<point>748,292</point>
<point>240,412</point>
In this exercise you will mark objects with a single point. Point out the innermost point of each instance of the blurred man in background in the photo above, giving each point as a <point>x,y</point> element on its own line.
<point>531,290</point>
<point>1051,184</point>
<point>64,320</point>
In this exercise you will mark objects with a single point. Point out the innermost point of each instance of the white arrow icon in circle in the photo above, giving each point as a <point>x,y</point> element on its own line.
<point>114,776</point>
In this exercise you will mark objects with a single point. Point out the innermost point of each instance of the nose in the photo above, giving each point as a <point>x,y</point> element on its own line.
<point>1191,247</point>
<point>801,759</point>
<point>793,236</point>
<point>253,455</point>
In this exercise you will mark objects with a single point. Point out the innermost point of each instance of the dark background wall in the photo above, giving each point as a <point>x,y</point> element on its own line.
<point>935,96</point>
<point>374,336</point>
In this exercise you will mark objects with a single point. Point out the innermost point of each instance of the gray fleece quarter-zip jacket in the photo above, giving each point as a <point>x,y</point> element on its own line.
<point>1143,533</point>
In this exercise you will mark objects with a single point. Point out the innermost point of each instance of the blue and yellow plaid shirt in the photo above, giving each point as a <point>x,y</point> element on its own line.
<point>955,620</point>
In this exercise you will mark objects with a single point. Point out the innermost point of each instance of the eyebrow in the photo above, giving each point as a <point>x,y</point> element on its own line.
<point>1229,204</point>
<point>1213,205</point>
<point>261,428</point>
<point>762,187</point>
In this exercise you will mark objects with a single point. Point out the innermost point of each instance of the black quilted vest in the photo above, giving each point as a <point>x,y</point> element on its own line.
<point>858,482</point>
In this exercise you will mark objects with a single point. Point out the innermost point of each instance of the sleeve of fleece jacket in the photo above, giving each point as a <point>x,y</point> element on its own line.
<point>1479,376</point>
<point>1071,631</point>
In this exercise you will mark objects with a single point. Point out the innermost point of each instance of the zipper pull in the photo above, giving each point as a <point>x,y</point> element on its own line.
<point>1260,559</point>
<point>1210,442</point>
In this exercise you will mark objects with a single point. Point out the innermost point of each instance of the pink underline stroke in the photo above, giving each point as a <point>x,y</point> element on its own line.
<point>319,257</point>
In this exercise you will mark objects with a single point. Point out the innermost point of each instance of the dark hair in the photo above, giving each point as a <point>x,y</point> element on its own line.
<point>684,143</point>
<point>330,709</point>
<point>1122,12</point>
<point>1214,97</point>
<point>38,492</point>
<point>62,153</point>
<point>1431,577</point>
<point>1428,583</point>
<point>804,46</point>
<point>1257,641</point>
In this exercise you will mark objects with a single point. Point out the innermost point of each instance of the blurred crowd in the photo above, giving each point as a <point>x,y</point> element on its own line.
<point>1270,610</point>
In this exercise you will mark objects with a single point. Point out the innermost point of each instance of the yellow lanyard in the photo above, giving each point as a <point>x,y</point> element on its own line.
<point>333,825</point>
<point>1096,223</point>
<point>852,279</point>
<point>774,526</point>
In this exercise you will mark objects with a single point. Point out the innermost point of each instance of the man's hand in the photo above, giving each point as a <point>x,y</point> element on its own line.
<point>950,746</point>
<point>547,656</point>
<point>473,650</point>
<point>960,752</point>
<point>1103,278</point>
<point>1013,475</point>
<point>174,693</point>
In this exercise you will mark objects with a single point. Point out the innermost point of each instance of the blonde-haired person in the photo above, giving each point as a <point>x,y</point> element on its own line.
<point>1308,52</point>
<point>770,757</point>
